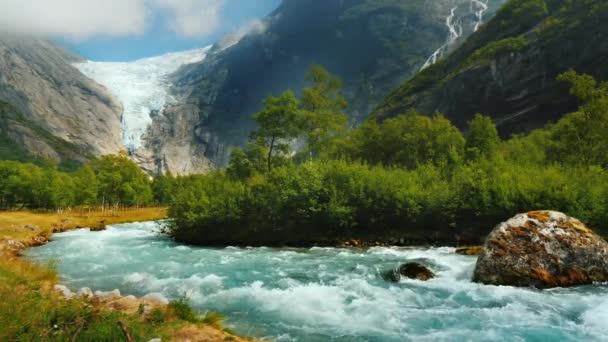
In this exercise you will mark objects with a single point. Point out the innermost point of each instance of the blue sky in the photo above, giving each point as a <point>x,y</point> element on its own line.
<point>124,30</point>
<point>160,39</point>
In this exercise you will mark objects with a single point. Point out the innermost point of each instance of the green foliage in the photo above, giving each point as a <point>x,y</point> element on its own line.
<point>214,319</point>
<point>581,136</point>
<point>121,181</point>
<point>482,138</point>
<point>405,179</point>
<point>323,108</point>
<point>408,141</point>
<point>245,164</point>
<point>28,312</point>
<point>278,123</point>
<point>498,48</point>
<point>182,309</point>
<point>109,180</point>
<point>157,317</point>
<point>163,188</point>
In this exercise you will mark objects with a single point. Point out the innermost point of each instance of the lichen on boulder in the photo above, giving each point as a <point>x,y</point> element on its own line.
<point>543,249</point>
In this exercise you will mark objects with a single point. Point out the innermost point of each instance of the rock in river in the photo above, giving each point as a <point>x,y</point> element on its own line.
<point>543,249</point>
<point>411,270</point>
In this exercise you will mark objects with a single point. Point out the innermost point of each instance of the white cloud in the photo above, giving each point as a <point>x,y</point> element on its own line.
<point>81,19</point>
<point>193,18</point>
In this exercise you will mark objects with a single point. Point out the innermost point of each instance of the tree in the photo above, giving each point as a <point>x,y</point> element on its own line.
<point>85,183</point>
<point>121,181</point>
<point>580,137</point>
<point>163,187</point>
<point>410,140</point>
<point>323,107</point>
<point>482,138</point>
<point>278,123</point>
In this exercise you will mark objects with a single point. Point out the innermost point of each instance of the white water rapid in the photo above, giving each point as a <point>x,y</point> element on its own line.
<point>326,294</point>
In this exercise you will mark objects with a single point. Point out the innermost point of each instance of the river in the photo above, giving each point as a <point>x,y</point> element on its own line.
<point>326,294</point>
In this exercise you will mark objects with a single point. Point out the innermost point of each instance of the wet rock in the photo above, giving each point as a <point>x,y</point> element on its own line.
<point>108,295</point>
<point>415,270</point>
<point>155,298</point>
<point>469,250</point>
<point>412,270</point>
<point>85,292</point>
<point>543,249</point>
<point>67,293</point>
<point>101,226</point>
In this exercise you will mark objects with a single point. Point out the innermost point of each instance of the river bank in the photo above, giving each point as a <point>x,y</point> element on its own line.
<point>326,293</point>
<point>36,307</point>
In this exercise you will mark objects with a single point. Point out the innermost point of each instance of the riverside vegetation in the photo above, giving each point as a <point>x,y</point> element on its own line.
<point>108,190</point>
<point>408,179</point>
<point>31,309</point>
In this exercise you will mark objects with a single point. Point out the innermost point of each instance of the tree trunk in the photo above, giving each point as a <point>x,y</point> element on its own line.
<point>270,149</point>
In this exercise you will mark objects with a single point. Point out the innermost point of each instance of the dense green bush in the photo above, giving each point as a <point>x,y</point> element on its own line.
<point>337,200</point>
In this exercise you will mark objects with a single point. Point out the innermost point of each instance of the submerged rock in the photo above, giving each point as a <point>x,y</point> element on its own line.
<point>415,270</point>
<point>411,270</point>
<point>543,249</point>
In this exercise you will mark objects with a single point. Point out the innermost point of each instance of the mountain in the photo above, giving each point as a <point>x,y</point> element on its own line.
<point>48,108</point>
<point>142,86</point>
<point>373,45</point>
<point>508,68</point>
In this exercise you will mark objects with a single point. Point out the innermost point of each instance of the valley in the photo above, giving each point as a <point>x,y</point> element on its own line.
<point>340,170</point>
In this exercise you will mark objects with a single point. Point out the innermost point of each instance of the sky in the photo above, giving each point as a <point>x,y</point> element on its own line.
<point>125,30</point>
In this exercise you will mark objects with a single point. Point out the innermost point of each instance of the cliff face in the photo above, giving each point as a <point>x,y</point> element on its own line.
<point>508,69</point>
<point>373,45</point>
<point>49,108</point>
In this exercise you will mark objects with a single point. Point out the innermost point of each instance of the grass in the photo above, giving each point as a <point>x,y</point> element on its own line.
<point>31,311</point>
<point>24,226</point>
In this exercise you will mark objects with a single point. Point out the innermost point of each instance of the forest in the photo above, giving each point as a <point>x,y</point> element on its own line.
<point>109,181</point>
<point>408,179</point>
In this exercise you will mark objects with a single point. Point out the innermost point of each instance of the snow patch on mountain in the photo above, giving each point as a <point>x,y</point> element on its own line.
<point>142,86</point>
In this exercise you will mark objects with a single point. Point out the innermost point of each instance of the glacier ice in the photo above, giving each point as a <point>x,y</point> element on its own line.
<point>141,86</point>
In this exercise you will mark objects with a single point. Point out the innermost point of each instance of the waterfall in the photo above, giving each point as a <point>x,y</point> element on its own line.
<point>479,7</point>
<point>455,28</point>
<point>454,25</point>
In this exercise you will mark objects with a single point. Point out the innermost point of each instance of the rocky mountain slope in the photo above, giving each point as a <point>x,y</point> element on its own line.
<point>508,68</point>
<point>142,87</point>
<point>48,108</point>
<point>373,45</point>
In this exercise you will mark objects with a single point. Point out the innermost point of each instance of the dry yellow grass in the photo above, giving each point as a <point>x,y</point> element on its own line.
<point>24,226</point>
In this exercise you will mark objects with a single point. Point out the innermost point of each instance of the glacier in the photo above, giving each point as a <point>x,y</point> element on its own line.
<point>142,86</point>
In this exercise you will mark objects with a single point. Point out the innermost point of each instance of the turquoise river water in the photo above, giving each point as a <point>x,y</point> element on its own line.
<point>326,294</point>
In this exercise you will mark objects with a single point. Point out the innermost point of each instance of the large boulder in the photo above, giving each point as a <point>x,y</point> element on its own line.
<point>543,249</point>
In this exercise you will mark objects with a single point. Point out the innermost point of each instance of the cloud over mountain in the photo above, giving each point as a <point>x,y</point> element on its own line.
<point>82,19</point>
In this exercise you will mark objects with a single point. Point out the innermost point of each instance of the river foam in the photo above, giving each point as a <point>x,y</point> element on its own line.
<point>327,294</point>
